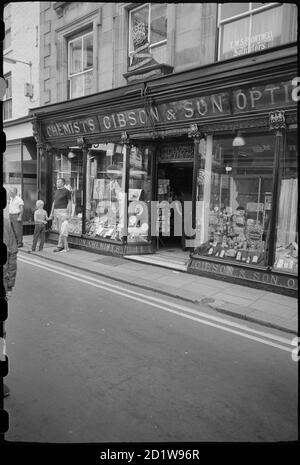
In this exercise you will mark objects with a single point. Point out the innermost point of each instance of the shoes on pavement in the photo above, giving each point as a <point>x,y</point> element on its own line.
<point>58,249</point>
<point>30,251</point>
<point>65,250</point>
<point>6,390</point>
<point>20,245</point>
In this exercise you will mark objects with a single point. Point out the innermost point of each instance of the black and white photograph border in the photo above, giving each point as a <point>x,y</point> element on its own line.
<point>149,247</point>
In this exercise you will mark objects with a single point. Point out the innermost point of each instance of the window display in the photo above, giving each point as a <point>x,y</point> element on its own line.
<point>105,191</point>
<point>286,256</point>
<point>139,194</point>
<point>237,206</point>
<point>68,165</point>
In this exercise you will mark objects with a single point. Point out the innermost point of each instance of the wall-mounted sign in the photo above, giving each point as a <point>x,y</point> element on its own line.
<point>277,119</point>
<point>173,153</point>
<point>254,43</point>
<point>71,127</point>
<point>203,107</point>
<point>246,274</point>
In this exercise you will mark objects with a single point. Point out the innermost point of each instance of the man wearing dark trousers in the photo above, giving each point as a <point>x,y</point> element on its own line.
<point>61,205</point>
<point>16,207</point>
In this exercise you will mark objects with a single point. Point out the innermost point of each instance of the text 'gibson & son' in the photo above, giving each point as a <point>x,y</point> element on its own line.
<point>232,102</point>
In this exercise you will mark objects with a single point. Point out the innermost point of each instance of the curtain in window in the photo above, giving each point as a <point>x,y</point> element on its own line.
<point>287,212</point>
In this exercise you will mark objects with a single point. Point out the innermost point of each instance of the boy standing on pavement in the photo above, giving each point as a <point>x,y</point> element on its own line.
<point>62,205</point>
<point>16,207</point>
<point>40,221</point>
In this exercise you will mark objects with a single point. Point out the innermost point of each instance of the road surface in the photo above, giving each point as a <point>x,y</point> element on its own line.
<point>91,360</point>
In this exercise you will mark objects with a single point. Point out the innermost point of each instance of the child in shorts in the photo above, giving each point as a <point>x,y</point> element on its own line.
<point>40,221</point>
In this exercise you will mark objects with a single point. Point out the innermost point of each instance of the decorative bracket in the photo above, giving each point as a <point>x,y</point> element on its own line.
<point>195,133</point>
<point>125,139</point>
<point>277,120</point>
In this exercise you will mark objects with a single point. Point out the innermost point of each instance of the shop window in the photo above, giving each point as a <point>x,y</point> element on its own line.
<point>148,25</point>
<point>68,165</point>
<point>7,99</point>
<point>105,191</point>
<point>80,65</point>
<point>139,194</point>
<point>7,22</point>
<point>251,27</point>
<point>286,256</point>
<point>234,199</point>
<point>29,165</point>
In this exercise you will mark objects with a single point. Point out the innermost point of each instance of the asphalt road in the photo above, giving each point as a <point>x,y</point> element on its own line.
<point>94,364</point>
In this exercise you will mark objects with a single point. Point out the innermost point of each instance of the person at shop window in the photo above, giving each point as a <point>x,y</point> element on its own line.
<point>16,209</point>
<point>61,206</point>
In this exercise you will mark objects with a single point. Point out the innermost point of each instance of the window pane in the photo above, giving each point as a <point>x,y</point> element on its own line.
<point>236,183</point>
<point>7,109</point>
<point>139,27</point>
<point>273,27</point>
<point>286,257</point>
<point>71,170</point>
<point>7,39</point>
<point>159,53</point>
<point>88,81</point>
<point>258,5</point>
<point>88,52</point>
<point>8,93</point>
<point>105,192</point>
<point>234,38</point>
<point>75,56</point>
<point>232,9</point>
<point>77,86</point>
<point>158,23</point>
<point>139,195</point>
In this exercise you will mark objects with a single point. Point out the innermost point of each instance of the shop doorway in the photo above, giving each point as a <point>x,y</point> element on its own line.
<point>175,181</point>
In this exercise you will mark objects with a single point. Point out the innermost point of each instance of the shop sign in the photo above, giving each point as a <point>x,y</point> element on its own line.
<point>179,152</point>
<point>251,44</point>
<point>237,101</point>
<point>231,102</point>
<point>257,276</point>
<point>71,127</point>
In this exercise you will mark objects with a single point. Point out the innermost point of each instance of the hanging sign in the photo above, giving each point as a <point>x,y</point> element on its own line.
<point>277,119</point>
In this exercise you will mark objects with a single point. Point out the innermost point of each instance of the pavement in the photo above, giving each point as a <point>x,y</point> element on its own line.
<point>255,305</point>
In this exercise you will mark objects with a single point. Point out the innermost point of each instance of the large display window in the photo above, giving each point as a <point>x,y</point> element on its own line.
<point>105,191</point>
<point>139,194</point>
<point>286,255</point>
<point>234,194</point>
<point>68,164</point>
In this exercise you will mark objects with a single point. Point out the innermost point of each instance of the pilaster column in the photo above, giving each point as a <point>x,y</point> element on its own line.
<point>82,144</point>
<point>126,142</point>
<point>277,124</point>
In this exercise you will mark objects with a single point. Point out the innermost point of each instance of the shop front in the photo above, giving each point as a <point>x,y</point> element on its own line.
<point>204,160</point>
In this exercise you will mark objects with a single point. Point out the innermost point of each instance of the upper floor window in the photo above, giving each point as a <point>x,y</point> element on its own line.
<point>7,99</point>
<point>80,65</point>
<point>7,22</point>
<point>250,27</point>
<point>148,25</point>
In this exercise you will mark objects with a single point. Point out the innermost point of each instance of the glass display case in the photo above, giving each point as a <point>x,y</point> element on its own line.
<point>105,191</point>
<point>236,204</point>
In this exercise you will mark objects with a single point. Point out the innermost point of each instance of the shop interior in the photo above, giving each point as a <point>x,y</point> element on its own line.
<point>175,181</point>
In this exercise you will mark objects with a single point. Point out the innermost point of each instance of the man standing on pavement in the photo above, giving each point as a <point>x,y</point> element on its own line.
<point>16,208</point>
<point>61,206</point>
